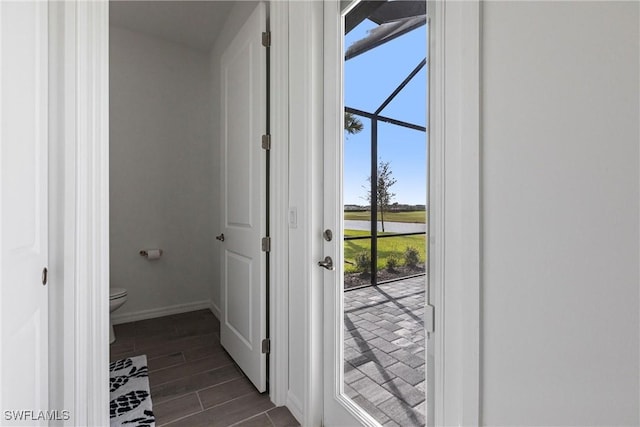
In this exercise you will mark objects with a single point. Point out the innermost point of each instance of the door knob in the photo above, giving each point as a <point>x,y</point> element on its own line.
<point>220,237</point>
<point>327,263</point>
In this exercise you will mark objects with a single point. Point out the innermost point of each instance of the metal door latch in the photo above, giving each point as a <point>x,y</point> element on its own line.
<point>327,263</point>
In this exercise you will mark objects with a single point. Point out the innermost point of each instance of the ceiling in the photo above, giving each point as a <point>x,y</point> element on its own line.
<point>192,23</point>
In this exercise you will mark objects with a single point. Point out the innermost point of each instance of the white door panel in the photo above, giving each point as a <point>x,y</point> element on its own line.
<point>24,207</point>
<point>243,266</point>
<point>338,410</point>
<point>239,268</point>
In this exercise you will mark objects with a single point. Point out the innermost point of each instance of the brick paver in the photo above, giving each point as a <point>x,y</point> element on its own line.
<point>384,351</point>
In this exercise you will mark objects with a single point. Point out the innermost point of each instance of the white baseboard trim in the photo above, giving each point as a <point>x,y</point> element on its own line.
<point>214,309</point>
<point>160,312</point>
<point>295,407</point>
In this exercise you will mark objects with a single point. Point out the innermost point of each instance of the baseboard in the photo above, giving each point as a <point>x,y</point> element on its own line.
<point>160,312</point>
<point>214,309</point>
<point>294,406</point>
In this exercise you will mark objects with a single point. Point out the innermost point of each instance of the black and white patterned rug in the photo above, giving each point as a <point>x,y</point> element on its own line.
<point>130,395</point>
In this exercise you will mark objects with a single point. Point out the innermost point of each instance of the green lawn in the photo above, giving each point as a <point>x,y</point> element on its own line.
<point>410,216</point>
<point>386,247</point>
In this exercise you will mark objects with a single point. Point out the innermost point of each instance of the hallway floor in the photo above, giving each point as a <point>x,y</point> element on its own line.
<point>384,351</point>
<point>193,380</point>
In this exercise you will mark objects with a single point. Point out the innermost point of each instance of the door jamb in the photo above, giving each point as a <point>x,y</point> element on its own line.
<point>455,211</point>
<point>82,200</point>
<point>279,225</point>
<point>305,80</point>
<point>92,211</point>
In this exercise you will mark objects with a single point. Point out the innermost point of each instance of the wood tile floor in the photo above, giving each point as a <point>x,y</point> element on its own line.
<point>193,380</point>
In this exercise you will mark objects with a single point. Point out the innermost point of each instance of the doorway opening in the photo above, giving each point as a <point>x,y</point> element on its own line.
<point>189,88</point>
<point>385,209</point>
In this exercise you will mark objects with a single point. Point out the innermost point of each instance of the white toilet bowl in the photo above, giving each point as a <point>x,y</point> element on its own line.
<point>117,297</point>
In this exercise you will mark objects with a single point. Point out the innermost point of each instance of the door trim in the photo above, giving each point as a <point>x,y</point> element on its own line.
<point>92,212</point>
<point>80,38</point>
<point>278,17</point>
<point>454,212</point>
<point>305,40</point>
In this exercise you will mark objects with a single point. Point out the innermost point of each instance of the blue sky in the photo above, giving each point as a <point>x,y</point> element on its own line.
<point>369,79</point>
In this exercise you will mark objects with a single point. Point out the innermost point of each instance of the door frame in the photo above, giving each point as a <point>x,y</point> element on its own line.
<point>79,34</point>
<point>305,76</point>
<point>278,22</point>
<point>455,211</point>
<point>79,209</point>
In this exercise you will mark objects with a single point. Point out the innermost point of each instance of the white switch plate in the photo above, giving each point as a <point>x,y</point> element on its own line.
<point>293,217</point>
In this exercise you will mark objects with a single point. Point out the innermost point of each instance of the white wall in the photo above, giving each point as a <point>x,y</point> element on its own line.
<point>560,213</point>
<point>161,172</point>
<point>237,16</point>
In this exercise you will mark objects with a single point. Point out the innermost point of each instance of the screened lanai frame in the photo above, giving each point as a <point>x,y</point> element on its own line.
<point>402,27</point>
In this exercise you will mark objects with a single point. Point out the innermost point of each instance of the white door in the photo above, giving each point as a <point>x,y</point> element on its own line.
<point>244,196</point>
<point>338,410</point>
<point>24,210</point>
<point>375,400</point>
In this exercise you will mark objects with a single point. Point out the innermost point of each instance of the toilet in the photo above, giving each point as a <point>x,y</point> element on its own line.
<point>117,297</point>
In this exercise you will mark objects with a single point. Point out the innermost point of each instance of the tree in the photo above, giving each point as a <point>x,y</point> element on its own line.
<point>385,182</point>
<point>352,124</point>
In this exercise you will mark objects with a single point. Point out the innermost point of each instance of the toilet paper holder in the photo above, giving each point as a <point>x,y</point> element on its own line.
<point>145,253</point>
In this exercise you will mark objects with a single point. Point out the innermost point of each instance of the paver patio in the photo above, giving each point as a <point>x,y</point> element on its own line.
<point>384,351</point>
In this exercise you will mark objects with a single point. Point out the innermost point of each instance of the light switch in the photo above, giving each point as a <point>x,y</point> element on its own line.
<point>293,217</point>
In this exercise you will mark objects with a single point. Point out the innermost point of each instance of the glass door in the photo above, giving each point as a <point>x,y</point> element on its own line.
<point>376,207</point>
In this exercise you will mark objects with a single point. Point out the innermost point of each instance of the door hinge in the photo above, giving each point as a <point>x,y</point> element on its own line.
<point>266,346</point>
<point>266,244</point>
<point>430,319</point>
<point>266,142</point>
<point>266,39</point>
